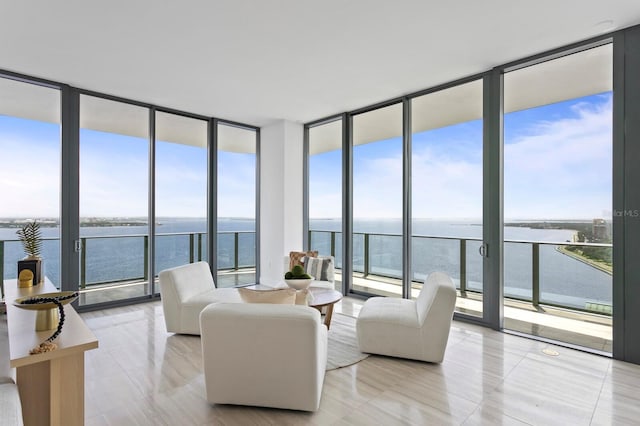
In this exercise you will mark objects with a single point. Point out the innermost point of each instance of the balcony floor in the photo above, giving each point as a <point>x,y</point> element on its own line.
<point>591,331</point>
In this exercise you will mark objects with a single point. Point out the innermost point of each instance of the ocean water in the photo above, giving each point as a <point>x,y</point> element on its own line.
<point>117,253</point>
<point>436,246</point>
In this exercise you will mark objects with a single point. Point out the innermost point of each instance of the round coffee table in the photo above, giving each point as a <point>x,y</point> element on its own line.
<point>324,297</point>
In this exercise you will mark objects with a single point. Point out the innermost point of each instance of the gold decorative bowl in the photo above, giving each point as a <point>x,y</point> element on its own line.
<point>47,317</point>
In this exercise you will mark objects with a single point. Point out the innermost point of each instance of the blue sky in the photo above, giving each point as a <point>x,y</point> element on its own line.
<point>114,175</point>
<point>557,166</point>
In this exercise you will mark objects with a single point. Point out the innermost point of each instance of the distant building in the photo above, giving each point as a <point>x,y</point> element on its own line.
<point>600,230</point>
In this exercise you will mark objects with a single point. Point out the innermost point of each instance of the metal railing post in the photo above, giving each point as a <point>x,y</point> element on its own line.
<point>366,255</point>
<point>83,262</point>
<point>145,275</point>
<point>309,233</point>
<point>2,270</point>
<point>333,243</point>
<point>463,265</point>
<point>535,274</point>
<point>199,247</point>
<point>236,239</point>
<point>191,254</point>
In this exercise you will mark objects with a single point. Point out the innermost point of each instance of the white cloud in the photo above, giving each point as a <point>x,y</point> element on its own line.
<point>236,186</point>
<point>445,187</point>
<point>377,187</point>
<point>29,177</point>
<point>562,169</point>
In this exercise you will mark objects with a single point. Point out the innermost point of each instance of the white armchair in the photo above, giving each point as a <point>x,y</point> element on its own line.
<point>10,407</point>
<point>265,355</point>
<point>185,291</point>
<point>406,328</point>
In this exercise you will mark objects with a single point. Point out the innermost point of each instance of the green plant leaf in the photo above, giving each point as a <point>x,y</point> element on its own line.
<point>31,238</point>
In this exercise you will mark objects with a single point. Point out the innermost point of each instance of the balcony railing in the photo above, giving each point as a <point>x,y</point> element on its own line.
<point>125,258</point>
<point>526,278</point>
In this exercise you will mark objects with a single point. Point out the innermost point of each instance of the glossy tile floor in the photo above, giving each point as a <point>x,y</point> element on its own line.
<point>142,375</point>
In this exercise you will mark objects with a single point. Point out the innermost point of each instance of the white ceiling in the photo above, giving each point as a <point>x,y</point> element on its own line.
<point>260,61</point>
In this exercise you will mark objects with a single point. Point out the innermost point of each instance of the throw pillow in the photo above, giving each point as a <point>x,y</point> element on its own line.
<point>296,257</point>
<point>320,268</point>
<point>285,296</point>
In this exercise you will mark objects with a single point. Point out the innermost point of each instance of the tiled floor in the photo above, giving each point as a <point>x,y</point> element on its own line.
<point>143,375</point>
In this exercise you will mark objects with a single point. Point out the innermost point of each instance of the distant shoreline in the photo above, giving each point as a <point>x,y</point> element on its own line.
<point>108,222</point>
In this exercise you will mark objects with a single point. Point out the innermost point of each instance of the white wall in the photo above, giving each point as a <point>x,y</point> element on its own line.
<point>280,196</point>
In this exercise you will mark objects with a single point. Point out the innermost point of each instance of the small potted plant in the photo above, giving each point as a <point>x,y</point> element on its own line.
<point>31,239</point>
<point>297,278</point>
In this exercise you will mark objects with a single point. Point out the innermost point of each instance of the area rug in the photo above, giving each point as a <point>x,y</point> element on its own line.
<point>343,343</point>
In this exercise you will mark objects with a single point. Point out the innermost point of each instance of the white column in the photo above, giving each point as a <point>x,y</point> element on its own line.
<point>280,196</point>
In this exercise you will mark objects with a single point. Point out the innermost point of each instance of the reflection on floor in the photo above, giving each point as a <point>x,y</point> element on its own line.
<point>143,375</point>
<point>591,331</point>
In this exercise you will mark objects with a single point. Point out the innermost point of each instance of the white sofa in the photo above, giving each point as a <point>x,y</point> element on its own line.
<point>185,291</point>
<point>10,407</point>
<point>406,328</point>
<point>264,355</point>
<point>316,283</point>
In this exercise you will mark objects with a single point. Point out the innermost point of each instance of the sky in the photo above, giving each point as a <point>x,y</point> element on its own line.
<point>114,175</point>
<point>557,165</point>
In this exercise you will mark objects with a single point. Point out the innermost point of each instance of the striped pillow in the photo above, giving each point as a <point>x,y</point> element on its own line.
<point>320,268</point>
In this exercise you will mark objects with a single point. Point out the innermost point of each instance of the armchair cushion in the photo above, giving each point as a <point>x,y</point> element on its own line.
<point>185,291</point>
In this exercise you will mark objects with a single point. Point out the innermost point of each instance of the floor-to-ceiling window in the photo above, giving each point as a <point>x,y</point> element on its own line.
<point>325,192</point>
<point>236,201</point>
<point>377,201</point>
<point>29,172</point>
<point>558,199</point>
<point>114,188</point>
<point>180,190</point>
<point>446,190</point>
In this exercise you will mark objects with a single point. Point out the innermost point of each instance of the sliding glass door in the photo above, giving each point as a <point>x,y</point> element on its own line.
<point>377,201</point>
<point>325,192</point>
<point>236,200</point>
<point>114,182</point>
<point>447,178</point>
<point>557,199</point>
<point>180,190</point>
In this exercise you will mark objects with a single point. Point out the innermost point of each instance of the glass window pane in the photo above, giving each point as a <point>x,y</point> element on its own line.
<point>114,182</point>
<point>29,172</point>
<point>181,190</point>
<point>325,192</point>
<point>236,194</point>
<point>446,155</point>
<point>377,201</point>
<point>558,197</point>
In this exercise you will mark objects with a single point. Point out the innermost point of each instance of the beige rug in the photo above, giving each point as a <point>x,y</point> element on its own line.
<point>343,343</point>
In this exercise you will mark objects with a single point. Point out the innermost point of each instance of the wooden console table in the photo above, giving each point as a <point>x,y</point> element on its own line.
<point>51,384</point>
